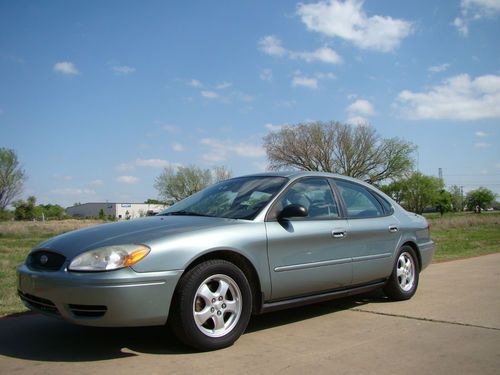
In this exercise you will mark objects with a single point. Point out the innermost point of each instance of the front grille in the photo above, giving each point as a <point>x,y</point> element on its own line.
<point>88,311</point>
<point>38,303</point>
<point>46,260</point>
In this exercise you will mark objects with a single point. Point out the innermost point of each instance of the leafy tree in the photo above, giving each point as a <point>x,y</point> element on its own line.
<point>175,185</point>
<point>153,201</point>
<point>102,215</point>
<point>356,151</point>
<point>396,190</point>
<point>25,210</point>
<point>12,177</point>
<point>418,191</point>
<point>481,197</point>
<point>421,191</point>
<point>443,201</point>
<point>51,211</point>
<point>5,214</point>
<point>220,174</point>
<point>457,198</point>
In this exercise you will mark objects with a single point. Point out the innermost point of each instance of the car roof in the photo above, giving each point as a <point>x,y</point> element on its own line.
<point>293,174</point>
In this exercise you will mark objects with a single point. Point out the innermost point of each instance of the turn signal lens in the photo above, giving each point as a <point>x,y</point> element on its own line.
<point>136,256</point>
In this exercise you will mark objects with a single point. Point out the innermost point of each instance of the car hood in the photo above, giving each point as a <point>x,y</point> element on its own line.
<point>139,231</point>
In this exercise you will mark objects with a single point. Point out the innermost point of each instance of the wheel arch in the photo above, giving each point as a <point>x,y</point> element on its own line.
<point>415,248</point>
<point>243,263</point>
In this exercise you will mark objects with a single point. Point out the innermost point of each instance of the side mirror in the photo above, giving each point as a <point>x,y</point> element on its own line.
<point>293,210</point>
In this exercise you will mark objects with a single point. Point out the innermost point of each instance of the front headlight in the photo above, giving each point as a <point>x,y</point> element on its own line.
<point>109,258</point>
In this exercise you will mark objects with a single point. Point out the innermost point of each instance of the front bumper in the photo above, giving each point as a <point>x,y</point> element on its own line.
<point>108,299</point>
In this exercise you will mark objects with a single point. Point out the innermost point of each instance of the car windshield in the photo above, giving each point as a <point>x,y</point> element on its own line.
<point>237,198</point>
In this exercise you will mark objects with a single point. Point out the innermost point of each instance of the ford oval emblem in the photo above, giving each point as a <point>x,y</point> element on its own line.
<point>44,259</point>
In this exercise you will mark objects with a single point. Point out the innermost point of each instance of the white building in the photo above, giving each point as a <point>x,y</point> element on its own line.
<point>118,210</point>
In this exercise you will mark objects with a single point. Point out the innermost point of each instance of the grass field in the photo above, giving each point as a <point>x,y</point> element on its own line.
<point>456,235</point>
<point>16,240</point>
<point>465,235</point>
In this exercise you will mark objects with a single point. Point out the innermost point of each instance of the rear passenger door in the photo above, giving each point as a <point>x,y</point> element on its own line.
<point>373,232</point>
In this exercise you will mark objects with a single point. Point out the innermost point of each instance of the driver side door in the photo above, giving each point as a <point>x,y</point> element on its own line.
<point>308,254</point>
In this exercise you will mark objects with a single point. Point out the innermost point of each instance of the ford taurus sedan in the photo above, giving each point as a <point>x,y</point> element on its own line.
<point>246,245</point>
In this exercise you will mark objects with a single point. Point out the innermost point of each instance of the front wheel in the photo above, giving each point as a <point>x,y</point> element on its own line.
<point>212,305</point>
<point>403,282</point>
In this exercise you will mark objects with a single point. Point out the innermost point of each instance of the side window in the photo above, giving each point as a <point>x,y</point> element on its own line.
<point>359,201</point>
<point>314,194</point>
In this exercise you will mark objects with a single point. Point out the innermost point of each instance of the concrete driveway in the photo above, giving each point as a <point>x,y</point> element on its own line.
<point>452,325</point>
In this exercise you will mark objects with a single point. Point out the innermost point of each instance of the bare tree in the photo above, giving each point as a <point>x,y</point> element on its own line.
<point>12,177</point>
<point>356,151</point>
<point>175,185</point>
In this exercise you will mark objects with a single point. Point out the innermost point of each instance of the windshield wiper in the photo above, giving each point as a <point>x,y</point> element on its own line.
<point>185,213</point>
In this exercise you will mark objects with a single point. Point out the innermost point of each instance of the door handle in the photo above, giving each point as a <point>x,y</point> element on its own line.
<point>339,234</point>
<point>393,228</point>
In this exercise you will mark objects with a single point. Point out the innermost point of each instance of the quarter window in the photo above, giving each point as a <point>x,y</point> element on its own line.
<point>360,203</point>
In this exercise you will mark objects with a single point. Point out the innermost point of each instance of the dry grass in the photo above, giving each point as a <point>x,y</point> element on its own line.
<point>29,228</point>
<point>464,220</point>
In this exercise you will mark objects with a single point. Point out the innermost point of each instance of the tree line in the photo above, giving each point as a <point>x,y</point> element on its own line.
<point>355,151</point>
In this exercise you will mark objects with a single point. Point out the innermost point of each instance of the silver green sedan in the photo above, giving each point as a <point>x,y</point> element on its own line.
<point>247,245</point>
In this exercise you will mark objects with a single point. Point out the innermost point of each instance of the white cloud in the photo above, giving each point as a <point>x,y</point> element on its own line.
<point>461,25</point>
<point>324,54</point>
<point>152,163</point>
<point>223,85</point>
<point>125,167</point>
<point>127,179</point>
<point>72,191</point>
<point>271,45</point>
<point>304,81</point>
<point>148,163</point>
<point>324,76</point>
<point>243,97</point>
<point>66,68</point>
<point>266,74</point>
<point>456,98</point>
<point>209,94</point>
<point>438,68</point>
<point>62,177</point>
<point>481,134</point>
<point>220,149</point>
<point>170,128</point>
<point>358,111</point>
<point>178,147</point>
<point>361,107</point>
<point>123,70</point>
<point>482,145</point>
<point>473,10</point>
<point>274,127</point>
<point>347,20</point>
<point>357,120</point>
<point>194,83</point>
<point>96,182</point>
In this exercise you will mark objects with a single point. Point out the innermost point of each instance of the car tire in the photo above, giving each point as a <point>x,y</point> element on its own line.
<point>403,282</point>
<point>212,305</point>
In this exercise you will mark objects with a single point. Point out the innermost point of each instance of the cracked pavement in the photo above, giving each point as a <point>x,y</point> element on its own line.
<point>452,325</point>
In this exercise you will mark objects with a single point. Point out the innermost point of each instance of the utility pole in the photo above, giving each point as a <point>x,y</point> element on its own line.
<point>440,173</point>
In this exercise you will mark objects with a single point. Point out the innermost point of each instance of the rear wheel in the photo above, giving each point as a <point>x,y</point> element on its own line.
<point>212,305</point>
<point>403,282</point>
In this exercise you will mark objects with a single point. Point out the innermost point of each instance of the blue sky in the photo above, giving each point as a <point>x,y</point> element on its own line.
<point>97,97</point>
